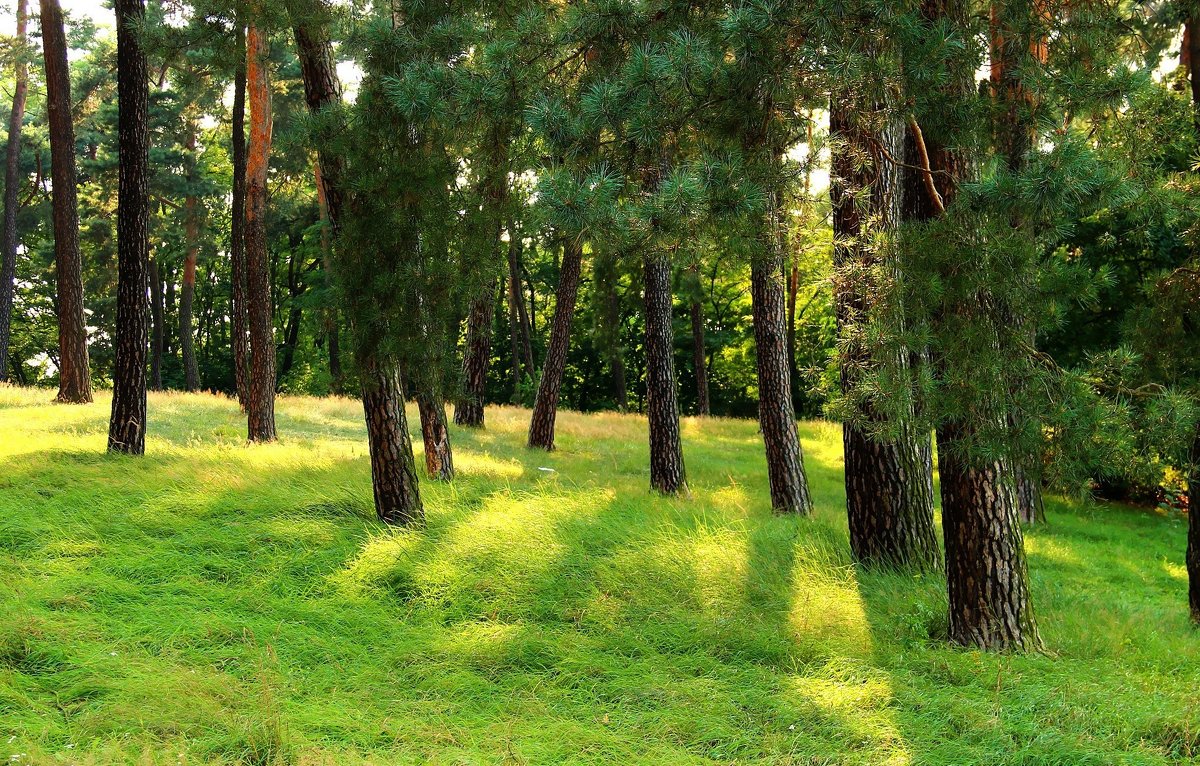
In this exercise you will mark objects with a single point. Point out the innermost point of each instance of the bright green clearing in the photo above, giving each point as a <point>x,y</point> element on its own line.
<point>219,603</point>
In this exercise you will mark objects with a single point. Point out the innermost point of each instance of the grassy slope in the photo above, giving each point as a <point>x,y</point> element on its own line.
<point>215,602</point>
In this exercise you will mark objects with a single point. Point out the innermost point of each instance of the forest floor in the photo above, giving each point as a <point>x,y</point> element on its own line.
<point>215,602</point>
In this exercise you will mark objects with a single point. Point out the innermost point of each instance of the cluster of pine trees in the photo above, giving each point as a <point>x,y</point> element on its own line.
<point>585,203</point>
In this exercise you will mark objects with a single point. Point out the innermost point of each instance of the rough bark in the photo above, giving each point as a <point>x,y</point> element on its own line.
<point>776,415</point>
<point>127,426</point>
<point>889,484</point>
<point>541,425</point>
<point>260,410</point>
<point>12,187</point>
<point>393,467</point>
<point>187,298</point>
<point>667,473</point>
<point>469,410</point>
<point>75,382</point>
<point>239,325</point>
<point>439,457</point>
<point>156,326</point>
<point>985,556</point>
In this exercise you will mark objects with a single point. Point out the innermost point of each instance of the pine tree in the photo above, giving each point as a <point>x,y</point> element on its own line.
<point>12,184</point>
<point>240,317</point>
<point>75,382</point>
<point>260,409</point>
<point>127,426</point>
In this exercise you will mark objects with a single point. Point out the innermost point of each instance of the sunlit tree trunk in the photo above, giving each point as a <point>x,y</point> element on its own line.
<point>12,187</point>
<point>127,426</point>
<point>260,412</point>
<point>541,425</point>
<point>439,458</point>
<point>75,382</point>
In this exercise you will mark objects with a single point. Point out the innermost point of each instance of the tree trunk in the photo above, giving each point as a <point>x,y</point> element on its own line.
<point>187,343</point>
<point>12,187</point>
<point>291,333</point>
<point>239,325</point>
<point>604,273</point>
<point>667,474</point>
<point>393,467</point>
<point>518,316</point>
<point>260,412</point>
<point>75,382</point>
<point>156,319</point>
<point>439,458</point>
<point>469,410</point>
<point>776,415</point>
<point>127,426</point>
<point>985,554</point>
<point>329,318</point>
<point>889,485</point>
<point>541,425</point>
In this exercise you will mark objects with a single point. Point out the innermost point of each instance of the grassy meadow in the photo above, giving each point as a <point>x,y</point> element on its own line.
<point>218,603</point>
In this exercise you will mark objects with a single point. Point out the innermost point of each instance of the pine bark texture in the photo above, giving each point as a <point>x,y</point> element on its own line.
<point>776,415</point>
<point>439,458</point>
<point>75,382</point>
<point>240,320</point>
<point>393,467</point>
<point>667,473</point>
<point>260,410</point>
<point>127,425</point>
<point>12,187</point>
<point>545,408</point>
<point>889,485</point>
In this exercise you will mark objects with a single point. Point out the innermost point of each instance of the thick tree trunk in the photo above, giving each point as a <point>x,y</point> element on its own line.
<point>187,343</point>
<point>776,415</point>
<point>127,426</point>
<point>12,187</point>
<point>889,485</point>
<point>260,410</point>
<point>74,381</point>
<point>1011,48</point>
<point>439,458</point>
<point>156,326</point>
<point>541,425</point>
<point>393,467</point>
<point>700,359</point>
<point>985,554</point>
<point>469,410</point>
<point>667,473</point>
<point>239,324</point>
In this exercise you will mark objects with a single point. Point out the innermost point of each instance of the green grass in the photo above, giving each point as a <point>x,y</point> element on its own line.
<point>215,602</point>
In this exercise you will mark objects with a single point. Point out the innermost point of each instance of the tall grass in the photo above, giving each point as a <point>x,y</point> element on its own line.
<point>215,602</point>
